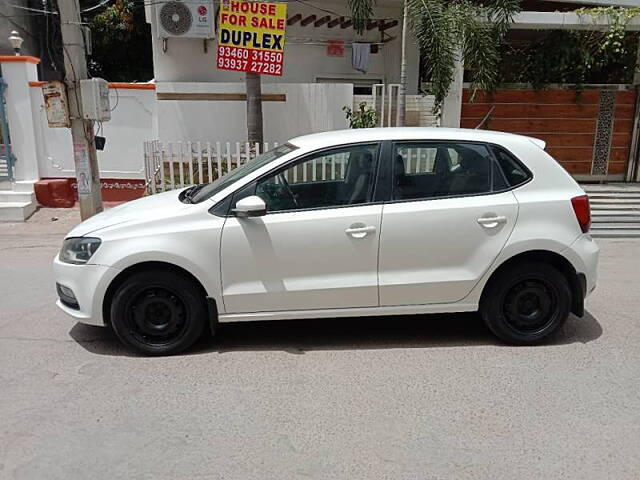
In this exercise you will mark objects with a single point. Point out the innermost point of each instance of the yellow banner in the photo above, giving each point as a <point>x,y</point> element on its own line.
<point>252,25</point>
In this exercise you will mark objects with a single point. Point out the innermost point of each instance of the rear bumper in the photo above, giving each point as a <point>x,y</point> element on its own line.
<point>89,284</point>
<point>583,254</point>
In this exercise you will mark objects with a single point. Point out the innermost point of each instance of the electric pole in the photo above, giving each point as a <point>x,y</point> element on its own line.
<point>255,129</point>
<point>402,94</point>
<point>84,148</point>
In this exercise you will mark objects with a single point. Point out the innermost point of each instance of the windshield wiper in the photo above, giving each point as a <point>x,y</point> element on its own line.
<point>189,193</point>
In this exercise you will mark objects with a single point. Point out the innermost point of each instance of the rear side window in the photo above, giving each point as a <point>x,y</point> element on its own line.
<point>513,170</point>
<point>443,169</point>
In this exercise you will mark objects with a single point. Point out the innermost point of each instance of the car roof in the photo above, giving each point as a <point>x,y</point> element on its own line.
<point>341,137</point>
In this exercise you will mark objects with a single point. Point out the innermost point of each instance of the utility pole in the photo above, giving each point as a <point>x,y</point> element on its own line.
<point>255,130</point>
<point>402,94</point>
<point>84,148</point>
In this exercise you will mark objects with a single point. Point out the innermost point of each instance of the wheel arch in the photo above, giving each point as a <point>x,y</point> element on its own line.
<point>577,282</point>
<point>149,265</point>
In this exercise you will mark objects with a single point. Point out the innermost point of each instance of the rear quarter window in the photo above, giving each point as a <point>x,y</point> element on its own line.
<point>514,172</point>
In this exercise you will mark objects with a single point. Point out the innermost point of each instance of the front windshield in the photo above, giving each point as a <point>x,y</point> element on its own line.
<point>223,182</point>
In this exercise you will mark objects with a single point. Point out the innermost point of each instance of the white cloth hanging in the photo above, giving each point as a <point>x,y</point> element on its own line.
<point>360,56</point>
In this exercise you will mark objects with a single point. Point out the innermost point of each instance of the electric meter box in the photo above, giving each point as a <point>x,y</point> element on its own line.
<point>94,93</point>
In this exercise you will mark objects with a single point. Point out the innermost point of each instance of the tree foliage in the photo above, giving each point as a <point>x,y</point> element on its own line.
<point>576,57</point>
<point>560,56</point>
<point>361,12</point>
<point>447,29</point>
<point>611,41</point>
<point>121,43</point>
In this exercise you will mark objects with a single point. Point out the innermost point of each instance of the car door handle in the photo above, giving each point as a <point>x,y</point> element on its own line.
<point>492,222</point>
<point>360,231</point>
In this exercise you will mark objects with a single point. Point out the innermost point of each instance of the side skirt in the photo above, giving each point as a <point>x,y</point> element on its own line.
<point>349,312</point>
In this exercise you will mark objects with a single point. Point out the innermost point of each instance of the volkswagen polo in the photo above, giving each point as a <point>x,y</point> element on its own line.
<point>338,224</point>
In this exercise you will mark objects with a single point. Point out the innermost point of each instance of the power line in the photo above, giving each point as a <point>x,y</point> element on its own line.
<point>46,42</point>
<point>17,25</point>
<point>52,12</point>
<point>4,15</point>
<point>33,9</point>
<point>95,7</point>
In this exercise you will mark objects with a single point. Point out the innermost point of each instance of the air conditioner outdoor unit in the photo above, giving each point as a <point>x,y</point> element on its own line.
<point>185,18</point>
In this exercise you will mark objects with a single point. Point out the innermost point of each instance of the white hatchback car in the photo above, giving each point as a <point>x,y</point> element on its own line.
<point>346,223</point>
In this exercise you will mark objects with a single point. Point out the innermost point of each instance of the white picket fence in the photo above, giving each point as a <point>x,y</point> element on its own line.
<point>170,165</point>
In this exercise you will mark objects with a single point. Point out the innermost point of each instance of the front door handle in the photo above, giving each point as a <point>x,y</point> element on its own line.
<point>360,230</point>
<point>493,221</point>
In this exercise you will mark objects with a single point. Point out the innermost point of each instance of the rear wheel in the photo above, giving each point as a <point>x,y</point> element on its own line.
<point>158,312</point>
<point>527,303</point>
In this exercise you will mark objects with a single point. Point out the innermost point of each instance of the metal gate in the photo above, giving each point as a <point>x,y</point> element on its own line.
<point>7,159</point>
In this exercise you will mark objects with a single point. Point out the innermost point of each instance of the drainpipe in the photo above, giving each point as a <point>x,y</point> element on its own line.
<point>633,170</point>
<point>402,97</point>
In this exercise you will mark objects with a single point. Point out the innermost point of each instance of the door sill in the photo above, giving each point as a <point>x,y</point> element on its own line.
<point>350,312</point>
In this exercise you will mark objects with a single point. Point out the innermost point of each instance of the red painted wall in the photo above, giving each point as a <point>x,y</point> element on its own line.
<point>63,193</point>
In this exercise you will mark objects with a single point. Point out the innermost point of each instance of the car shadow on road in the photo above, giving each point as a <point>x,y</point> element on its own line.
<point>299,336</point>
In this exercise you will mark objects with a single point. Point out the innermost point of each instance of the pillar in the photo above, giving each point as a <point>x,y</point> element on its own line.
<point>17,72</point>
<point>452,105</point>
<point>633,167</point>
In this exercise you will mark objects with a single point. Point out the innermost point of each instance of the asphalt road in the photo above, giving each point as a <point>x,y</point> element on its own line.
<point>402,397</point>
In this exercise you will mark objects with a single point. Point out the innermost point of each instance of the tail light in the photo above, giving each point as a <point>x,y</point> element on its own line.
<point>583,211</point>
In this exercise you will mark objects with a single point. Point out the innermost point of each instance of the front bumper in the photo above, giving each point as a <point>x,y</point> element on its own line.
<point>89,284</point>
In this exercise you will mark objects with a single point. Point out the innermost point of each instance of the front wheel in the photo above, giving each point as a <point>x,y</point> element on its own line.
<point>158,312</point>
<point>527,303</point>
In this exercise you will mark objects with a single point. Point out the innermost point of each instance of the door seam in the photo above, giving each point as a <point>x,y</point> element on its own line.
<point>493,262</point>
<point>224,307</point>
<point>378,255</point>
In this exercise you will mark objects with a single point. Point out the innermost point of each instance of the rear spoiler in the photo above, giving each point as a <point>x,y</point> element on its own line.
<point>538,143</point>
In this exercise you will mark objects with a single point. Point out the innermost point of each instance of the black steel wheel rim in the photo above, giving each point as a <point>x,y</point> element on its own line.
<point>531,305</point>
<point>157,316</point>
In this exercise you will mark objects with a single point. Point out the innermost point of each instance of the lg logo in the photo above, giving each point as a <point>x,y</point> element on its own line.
<point>202,15</point>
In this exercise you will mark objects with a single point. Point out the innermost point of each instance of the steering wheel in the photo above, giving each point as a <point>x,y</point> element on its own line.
<point>284,182</point>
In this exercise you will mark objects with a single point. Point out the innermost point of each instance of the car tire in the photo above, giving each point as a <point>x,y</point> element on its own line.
<point>158,312</point>
<point>527,303</point>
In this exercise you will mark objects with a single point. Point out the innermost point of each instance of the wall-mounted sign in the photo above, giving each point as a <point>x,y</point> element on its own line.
<point>251,37</point>
<point>56,104</point>
<point>335,48</point>
<point>83,172</point>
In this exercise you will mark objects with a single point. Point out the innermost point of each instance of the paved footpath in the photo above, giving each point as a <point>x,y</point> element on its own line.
<point>425,397</point>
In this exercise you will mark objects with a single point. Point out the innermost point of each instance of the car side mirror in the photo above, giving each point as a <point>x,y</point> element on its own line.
<point>252,206</point>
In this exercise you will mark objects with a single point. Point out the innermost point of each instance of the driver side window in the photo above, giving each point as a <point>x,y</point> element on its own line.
<point>340,176</point>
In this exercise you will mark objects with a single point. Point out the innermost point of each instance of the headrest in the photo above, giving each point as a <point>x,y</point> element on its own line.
<point>441,162</point>
<point>361,160</point>
<point>399,166</point>
<point>473,162</point>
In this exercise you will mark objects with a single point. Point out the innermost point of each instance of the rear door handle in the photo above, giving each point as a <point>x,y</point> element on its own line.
<point>492,222</point>
<point>360,232</point>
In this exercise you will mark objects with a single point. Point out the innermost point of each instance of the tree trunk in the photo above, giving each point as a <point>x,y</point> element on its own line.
<point>254,109</point>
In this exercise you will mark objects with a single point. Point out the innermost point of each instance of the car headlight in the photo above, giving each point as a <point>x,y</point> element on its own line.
<point>79,250</point>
